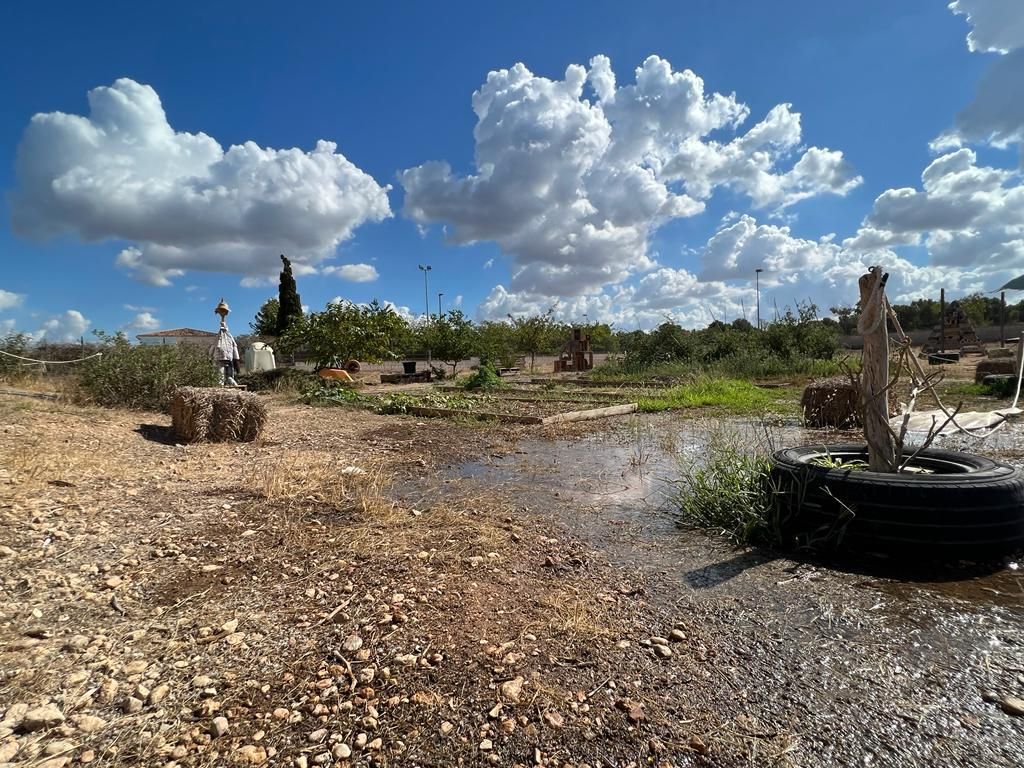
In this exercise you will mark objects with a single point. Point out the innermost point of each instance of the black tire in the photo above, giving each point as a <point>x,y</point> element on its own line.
<point>971,508</point>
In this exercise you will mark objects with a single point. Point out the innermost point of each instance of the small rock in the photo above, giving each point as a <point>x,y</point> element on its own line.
<point>341,751</point>
<point>219,727</point>
<point>281,713</point>
<point>662,651</point>
<point>229,626</point>
<point>159,693</point>
<point>87,757</point>
<point>114,582</point>
<point>58,748</point>
<point>317,736</point>
<point>697,745</point>
<point>132,705</point>
<point>554,719</point>
<point>1013,706</point>
<point>677,636</point>
<point>512,690</point>
<point>376,744</point>
<point>623,645</point>
<point>352,643</point>
<point>41,717</point>
<point>90,723</point>
<point>659,640</point>
<point>447,727</point>
<point>361,740</point>
<point>250,754</point>
<point>486,745</point>
<point>202,681</point>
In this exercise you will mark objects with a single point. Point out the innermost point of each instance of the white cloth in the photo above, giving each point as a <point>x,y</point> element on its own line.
<point>224,349</point>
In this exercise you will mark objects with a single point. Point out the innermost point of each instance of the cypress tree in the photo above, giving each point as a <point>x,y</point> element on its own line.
<point>289,303</point>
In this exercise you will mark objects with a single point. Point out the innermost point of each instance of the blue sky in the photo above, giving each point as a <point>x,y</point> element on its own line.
<point>392,85</point>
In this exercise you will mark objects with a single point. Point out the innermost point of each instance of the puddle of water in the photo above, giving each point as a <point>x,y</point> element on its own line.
<point>615,490</point>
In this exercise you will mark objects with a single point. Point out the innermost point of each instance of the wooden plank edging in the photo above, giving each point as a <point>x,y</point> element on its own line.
<point>592,413</point>
<point>422,410</point>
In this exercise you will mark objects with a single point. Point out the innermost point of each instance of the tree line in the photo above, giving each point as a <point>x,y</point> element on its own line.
<point>924,314</point>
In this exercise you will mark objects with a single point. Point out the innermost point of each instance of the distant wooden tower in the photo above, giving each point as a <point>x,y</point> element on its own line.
<point>955,332</point>
<point>576,354</point>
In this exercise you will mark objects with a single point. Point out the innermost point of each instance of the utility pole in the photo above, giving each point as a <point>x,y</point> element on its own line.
<point>1002,319</point>
<point>439,313</point>
<point>426,302</point>
<point>757,290</point>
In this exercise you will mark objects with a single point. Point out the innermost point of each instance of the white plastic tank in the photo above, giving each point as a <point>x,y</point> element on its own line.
<point>259,357</point>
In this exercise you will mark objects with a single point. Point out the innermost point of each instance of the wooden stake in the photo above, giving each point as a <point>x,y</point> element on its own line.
<point>874,380</point>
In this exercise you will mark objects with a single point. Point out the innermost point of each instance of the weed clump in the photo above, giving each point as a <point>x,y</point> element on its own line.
<point>485,377</point>
<point>730,491</point>
<point>705,391</point>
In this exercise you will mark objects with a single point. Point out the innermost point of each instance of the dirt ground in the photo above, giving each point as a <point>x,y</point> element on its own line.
<point>356,589</point>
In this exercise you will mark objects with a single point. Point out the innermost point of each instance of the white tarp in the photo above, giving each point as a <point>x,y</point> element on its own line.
<point>925,421</point>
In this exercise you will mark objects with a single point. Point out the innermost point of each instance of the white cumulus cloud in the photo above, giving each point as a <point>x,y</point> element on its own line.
<point>69,326</point>
<point>142,322</point>
<point>355,273</point>
<point>9,299</point>
<point>181,199</point>
<point>572,183</point>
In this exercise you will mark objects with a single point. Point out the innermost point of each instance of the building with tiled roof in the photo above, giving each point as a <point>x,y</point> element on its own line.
<point>178,336</point>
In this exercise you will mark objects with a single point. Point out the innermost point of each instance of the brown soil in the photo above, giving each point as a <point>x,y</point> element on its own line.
<point>343,594</point>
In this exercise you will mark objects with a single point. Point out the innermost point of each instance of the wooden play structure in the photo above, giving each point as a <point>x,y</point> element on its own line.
<point>577,354</point>
<point>954,334</point>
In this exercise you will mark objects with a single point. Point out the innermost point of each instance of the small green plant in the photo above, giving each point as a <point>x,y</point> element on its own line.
<point>485,377</point>
<point>729,490</point>
<point>837,462</point>
<point>324,393</point>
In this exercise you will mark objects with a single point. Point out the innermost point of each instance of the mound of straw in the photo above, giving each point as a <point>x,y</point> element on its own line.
<point>999,365</point>
<point>830,403</point>
<point>199,414</point>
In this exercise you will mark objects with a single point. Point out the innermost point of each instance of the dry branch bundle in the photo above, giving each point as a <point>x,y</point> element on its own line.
<point>218,415</point>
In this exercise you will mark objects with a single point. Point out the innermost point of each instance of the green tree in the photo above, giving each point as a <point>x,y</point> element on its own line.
<point>495,344</point>
<point>289,304</point>
<point>345,331</point>
<point>847,318</point>
<point>533,334</point>
<point>265,322</point>
<point>451,338</point>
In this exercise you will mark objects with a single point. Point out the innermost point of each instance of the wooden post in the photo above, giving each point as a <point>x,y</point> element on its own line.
<point>874,379</point>
<point>942,319</point>
<point>1002,319</point>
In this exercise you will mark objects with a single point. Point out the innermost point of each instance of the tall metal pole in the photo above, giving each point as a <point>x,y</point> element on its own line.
<point>439,313</point>
<point>757,290</point>
<point>426,303</point>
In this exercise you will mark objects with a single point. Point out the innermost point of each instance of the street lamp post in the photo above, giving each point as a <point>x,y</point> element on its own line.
<point>439,295</point>
<point>426,303</point>
<point>757,290</point>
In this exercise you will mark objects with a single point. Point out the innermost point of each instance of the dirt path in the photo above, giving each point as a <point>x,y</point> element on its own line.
<point>342,593</point>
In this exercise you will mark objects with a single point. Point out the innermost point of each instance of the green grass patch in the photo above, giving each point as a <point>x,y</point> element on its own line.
<point>730,395</point>
<point>728,490</point>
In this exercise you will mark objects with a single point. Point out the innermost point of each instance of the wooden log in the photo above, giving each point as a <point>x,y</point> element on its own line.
<point>874,378</point>
<point>592,413</point>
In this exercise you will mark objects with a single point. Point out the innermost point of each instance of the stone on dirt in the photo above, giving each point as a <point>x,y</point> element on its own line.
<point>512,690</point>
<point>219,727</point>
<point>662,651</point>
<point>1013,706</point>
<point>41,717</point>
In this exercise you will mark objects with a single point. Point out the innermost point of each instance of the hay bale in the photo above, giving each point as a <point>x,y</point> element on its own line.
<point>997,366</point>
<point>206,413</point>
<point>830,403</point>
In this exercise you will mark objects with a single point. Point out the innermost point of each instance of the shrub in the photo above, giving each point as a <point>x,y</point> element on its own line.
<point>279,380</point>
<point>144,377</point>
<point>322,392</point>
<point>485,377</point>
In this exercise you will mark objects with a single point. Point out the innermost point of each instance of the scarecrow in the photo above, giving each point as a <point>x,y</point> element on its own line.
<point>224,351</point>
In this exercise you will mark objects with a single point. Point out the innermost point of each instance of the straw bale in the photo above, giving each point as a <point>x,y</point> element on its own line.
<point>207,413</point>
<point>830,403</point>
